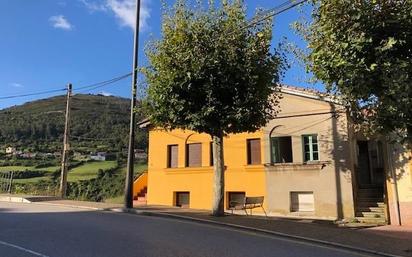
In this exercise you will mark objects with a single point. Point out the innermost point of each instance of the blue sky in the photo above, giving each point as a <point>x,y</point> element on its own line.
<point>46,44</point>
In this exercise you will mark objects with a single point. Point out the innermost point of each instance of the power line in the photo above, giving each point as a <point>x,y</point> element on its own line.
<point>33,94</point>
<point>87,87</point>
<point>276,11</point>
<point>271,13</point>
<point>103,83</point>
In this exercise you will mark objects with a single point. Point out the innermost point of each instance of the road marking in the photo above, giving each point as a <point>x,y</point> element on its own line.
<point>22,249</point>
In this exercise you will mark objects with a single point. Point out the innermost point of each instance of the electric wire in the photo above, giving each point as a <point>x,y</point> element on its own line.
<point>85,88</point>
<point>33,94</point>
<point>271,13</point>
<point>102,83</point>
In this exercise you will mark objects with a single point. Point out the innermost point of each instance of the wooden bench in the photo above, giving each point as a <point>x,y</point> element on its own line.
<point>249,203</point>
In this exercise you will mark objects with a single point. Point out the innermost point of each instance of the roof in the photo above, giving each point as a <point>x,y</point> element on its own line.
<point>310,93</point>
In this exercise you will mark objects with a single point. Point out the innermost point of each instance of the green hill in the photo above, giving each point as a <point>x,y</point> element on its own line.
<point>97,123</point>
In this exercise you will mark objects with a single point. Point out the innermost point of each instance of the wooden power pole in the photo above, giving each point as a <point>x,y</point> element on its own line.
<point>128,192</point>
<point>66,146</point>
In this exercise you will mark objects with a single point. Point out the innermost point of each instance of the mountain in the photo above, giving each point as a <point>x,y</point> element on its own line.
<point>97,123</point>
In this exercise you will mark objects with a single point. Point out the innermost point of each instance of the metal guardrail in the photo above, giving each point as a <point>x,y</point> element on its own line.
<point>6,182</point>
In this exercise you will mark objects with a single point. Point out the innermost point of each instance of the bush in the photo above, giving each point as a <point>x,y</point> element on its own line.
<point>43,187</point>
<point>28,174</point>
<point>107,185</point>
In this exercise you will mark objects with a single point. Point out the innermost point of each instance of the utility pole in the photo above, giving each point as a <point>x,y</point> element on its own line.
<point>66,146</point>
<point>128,191</point>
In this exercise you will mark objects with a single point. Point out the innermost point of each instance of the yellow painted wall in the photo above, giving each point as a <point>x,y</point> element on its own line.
<point>164,182</point>
<point>140,183</point>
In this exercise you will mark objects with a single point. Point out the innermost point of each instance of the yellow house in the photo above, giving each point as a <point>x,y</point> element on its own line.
<point>307,162</point>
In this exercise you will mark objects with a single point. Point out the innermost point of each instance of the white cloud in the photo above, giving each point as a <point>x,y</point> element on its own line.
<point>14,84</point>
<point>123,10</point>
<point>93,6</point>
<point>104,93</point>
<point>60,22</point>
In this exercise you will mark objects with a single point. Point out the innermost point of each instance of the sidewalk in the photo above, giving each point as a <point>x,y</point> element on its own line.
<point>385,239</point>
<point>389,240</point>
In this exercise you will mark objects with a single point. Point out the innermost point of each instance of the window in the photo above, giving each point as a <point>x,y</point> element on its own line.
<point>182,199</point>
<point>310,148</point>
<point>253,151</point>
<point>302,202</point>
<point>194,155</point>
<point>281,149</point>
<point>172,153</point>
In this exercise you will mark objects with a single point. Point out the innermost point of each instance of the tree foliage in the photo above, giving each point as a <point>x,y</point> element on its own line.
<point>208,73</point>
<point>362,49</point>
<point>212,74</point>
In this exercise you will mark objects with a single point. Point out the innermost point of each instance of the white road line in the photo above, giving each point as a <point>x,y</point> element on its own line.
<point>23,249</point>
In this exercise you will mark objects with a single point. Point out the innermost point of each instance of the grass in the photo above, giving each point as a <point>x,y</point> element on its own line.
<point>31,180</point>
<point>23,168</point>
<point>117,199</point>
<point>138,168</point>
<point>84,172</point>
<point>89,170</point>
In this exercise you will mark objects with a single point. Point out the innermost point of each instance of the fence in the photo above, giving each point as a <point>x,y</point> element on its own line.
<point>6,182</point>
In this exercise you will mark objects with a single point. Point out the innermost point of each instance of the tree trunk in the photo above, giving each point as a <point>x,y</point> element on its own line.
<point>409,135</point>
<point>219,177</point>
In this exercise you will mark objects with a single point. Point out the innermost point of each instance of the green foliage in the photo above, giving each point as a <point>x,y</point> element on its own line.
<point>107,185</point>
<point>362,50</point>
<point>97,122</point>
<point>23,174</point>
<point>89,170</point>
<point>209,73</point>
<point>41,187</point>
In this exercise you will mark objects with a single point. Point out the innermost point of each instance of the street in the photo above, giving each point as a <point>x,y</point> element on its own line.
<point>28,230</point>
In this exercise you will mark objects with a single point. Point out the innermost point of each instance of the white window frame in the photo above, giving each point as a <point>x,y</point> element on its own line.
<point>311,152</point>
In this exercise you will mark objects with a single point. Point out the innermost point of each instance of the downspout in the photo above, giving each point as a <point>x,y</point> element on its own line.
<point>394,184</point>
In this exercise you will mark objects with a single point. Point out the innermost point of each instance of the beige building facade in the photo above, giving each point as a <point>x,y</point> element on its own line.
<point>307,162</point>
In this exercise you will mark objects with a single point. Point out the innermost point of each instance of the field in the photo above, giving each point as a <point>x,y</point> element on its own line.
<point>22,168</point>
<point>138,168</point>
<point>89,170</point>
<point>83,172</point>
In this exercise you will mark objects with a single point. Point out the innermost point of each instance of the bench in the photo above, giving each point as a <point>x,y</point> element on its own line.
<point>249,203</point>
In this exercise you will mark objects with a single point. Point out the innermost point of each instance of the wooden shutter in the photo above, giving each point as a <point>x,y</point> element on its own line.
<point>172,156</point>
<point>253,146</point>
<point>194,155</point>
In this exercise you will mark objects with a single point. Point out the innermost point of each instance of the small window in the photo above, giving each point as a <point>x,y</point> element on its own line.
<point>182,199</point>
<point>194,155</point>
<point>172,156</point>
<point>302,202</point>
<point>310,148</point>
<point>253,151</point>
<point>281,149</point>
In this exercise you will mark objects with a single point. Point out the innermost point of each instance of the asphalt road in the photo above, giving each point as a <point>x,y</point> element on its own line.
<point>28,230</point>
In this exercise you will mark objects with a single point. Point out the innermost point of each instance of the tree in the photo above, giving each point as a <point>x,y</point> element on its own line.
<point>362,49</point>
<point>211,74</point>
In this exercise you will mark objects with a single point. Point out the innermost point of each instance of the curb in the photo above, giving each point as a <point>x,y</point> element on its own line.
<point>258,230</point>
